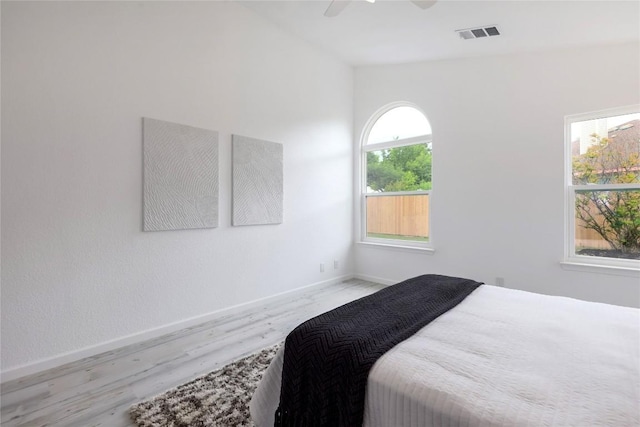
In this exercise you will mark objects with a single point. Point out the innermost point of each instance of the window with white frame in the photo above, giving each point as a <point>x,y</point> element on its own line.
<point>603,181</point>
<point>396,177</point>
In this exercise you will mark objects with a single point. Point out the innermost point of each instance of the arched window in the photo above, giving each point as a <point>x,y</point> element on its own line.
<point>396,179</point>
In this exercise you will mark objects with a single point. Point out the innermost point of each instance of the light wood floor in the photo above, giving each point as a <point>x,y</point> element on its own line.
<point>98,391</point>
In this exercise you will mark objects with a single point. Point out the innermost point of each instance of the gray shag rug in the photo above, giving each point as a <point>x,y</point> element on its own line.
<point>220,398</point>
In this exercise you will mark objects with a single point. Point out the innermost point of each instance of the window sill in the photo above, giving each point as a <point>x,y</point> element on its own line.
<point>401,248</point>
<point>616,270</point>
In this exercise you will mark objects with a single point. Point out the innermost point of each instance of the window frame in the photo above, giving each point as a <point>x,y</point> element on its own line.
<point>362,188</point>
<point>586,262</point>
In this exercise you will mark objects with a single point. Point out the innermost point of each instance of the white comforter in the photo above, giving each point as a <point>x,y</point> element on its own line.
<point>502,358</point>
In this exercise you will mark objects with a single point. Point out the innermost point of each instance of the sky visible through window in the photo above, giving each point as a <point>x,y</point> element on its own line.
<point>399,123</point>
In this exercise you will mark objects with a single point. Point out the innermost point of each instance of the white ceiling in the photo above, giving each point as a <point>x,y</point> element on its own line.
<point>397,31</point>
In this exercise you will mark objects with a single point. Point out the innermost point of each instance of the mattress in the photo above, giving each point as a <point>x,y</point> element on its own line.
<point>502,357</point>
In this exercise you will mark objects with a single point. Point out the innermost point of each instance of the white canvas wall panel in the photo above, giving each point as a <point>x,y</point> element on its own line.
<point>257,181</point>
<point>180,176</point>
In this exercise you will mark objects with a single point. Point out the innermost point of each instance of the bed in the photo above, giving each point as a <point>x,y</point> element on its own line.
<point>501,357</point>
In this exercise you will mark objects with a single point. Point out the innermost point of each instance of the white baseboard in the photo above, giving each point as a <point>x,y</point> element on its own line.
<point>375,279</point>
<point>93,350</point>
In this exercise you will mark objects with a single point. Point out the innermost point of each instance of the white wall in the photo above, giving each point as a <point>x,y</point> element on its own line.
<point>498,200</point>
<point>77,78</point>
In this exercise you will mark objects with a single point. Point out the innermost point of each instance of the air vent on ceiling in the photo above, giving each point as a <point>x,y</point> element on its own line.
<point>476,33</point>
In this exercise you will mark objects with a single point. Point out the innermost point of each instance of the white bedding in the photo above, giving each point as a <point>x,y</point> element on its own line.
<point>502,357</point>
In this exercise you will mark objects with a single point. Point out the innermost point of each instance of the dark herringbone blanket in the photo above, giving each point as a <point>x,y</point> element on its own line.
<point>327,359</point>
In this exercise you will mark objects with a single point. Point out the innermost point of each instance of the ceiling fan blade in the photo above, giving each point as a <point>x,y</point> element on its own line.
<point>424,4</point>
<point>336,7</point>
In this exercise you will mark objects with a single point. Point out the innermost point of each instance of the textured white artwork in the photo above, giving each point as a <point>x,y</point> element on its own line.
<point>257,181</point>
<point>180,176</point>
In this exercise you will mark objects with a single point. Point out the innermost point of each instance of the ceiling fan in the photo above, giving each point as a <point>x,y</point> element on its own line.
<point>338,6</point>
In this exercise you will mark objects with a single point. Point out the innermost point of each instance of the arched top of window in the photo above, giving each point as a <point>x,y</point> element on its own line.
<point>399,123</point>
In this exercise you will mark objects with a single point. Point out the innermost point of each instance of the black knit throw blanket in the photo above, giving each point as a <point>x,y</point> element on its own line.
<point>327,359</point>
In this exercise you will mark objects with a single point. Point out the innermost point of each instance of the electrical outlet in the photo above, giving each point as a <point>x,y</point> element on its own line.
<point>500,281</point>
<point>321,267</point>
<point>336,264</point>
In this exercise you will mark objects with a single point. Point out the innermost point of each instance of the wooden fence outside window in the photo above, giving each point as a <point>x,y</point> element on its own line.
<point>398,215</point>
